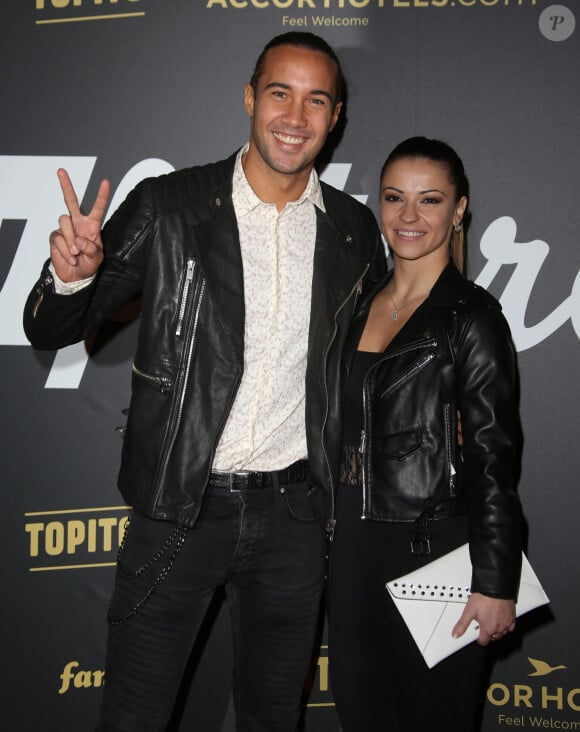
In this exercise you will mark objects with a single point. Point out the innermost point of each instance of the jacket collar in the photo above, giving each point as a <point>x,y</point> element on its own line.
<point>450,289</point>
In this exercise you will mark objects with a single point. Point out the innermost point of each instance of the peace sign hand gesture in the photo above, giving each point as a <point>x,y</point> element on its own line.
<point>76,248</point>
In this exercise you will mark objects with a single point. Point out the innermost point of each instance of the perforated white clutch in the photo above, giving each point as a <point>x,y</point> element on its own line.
<point>431,600</point>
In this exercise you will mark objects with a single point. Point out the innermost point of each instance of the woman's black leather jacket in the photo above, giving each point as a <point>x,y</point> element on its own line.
<point>455,354</point>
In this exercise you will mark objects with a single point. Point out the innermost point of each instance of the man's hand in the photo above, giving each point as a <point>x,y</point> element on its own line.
<point>495,617</point>
<point>76,248</point>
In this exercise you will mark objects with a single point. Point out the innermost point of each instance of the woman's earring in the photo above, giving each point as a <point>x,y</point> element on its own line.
<point>458,227</point>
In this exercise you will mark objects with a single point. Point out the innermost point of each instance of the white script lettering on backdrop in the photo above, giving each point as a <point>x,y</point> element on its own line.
<point>29,192</point>
<point>499,246</point>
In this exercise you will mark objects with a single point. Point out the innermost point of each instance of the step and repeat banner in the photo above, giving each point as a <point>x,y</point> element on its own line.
<point>126,89</point>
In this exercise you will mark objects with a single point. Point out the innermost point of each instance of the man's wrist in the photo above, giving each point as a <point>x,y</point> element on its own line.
<point>68,288</point>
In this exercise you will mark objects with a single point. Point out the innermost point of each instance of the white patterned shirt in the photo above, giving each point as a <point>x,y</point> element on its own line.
<point>266,427</point>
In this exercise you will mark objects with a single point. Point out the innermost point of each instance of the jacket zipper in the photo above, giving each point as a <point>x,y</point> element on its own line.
<point>361,451</point>
<point>44,282</point>
<point>357,294</point>
<point>409,374</point>
<point>356,290</point>
<point>184,294</point>
<point>181,396</point>
<point>163,382</point>
<point>413,346</point>
<point>449,448</point>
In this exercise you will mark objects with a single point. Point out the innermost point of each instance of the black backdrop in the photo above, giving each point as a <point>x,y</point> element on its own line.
<point>130,88</point>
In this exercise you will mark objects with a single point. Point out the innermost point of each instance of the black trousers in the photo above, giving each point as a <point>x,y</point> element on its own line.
<point>379,679</point>
<point>265,547</point>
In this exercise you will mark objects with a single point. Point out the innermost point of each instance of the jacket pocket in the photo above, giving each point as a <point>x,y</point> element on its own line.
<point>163,383</point>
<point>399,445</point>
<point>297,501</point>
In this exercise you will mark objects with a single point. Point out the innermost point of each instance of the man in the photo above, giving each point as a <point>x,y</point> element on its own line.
<point>249,270</point>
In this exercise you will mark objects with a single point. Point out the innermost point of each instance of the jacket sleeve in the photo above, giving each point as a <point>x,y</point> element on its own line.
<point>54,321</point>
<point>488,404</point>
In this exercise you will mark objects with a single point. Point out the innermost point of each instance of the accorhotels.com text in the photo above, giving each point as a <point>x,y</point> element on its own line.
<point>525,696</point>
<point>362,4</point>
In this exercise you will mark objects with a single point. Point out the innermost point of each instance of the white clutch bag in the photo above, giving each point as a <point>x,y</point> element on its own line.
<point>431,600</point>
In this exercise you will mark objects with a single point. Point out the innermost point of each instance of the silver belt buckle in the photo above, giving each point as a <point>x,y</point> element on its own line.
<point>232,477</point>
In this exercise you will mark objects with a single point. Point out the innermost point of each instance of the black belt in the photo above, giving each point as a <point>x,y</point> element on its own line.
<point>252,480</point>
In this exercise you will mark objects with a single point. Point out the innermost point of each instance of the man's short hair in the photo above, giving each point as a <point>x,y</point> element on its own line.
<point>298,39</point>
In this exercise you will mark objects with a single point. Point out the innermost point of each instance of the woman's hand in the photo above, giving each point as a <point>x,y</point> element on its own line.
<point>495,617</point>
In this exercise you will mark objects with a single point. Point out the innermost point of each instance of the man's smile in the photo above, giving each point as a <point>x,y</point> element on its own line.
<point>289,139</point>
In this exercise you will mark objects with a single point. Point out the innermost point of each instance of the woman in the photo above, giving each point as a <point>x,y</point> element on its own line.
<point>428,350</point>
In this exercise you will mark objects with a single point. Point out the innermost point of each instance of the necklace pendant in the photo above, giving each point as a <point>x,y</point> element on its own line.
<point>394,315</point>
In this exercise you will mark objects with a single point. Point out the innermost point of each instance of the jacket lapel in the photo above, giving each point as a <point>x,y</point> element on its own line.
<point>217,245</point>
<point>337,269</point>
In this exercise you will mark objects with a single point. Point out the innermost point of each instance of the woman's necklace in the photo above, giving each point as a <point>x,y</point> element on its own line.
<point>396,311</point>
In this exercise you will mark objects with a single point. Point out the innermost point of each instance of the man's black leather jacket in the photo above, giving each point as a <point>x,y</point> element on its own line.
<point>454,354</point>
<point>174,242</point>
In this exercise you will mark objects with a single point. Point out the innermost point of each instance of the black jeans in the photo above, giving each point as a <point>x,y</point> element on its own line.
<point>267,550</point>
